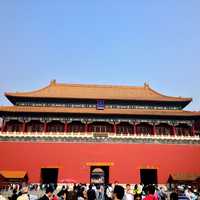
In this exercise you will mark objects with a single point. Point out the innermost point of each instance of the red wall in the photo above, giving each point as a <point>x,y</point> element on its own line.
<point>71,158</point>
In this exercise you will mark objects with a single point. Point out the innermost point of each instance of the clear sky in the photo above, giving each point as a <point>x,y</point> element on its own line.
<point>107,41</point>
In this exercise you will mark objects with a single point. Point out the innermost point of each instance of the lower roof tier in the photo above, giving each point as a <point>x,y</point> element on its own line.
<point>65,110</point>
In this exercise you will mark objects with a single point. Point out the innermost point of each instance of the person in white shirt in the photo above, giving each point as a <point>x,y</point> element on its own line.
<point>128,192</point>
<point>109,192</point>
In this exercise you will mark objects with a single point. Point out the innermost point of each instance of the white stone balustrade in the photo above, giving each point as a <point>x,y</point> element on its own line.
<point>91,135</point>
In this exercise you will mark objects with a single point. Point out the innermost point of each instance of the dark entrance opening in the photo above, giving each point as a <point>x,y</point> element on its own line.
<point>148,176</point>
<point>49,175</point>
<point>99,174</point>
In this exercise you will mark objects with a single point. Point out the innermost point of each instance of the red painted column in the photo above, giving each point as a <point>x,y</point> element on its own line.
<point>65,127</point>
<point>193,130</point>
<point>24,127</point>
<point>86,127</point>
<point>173,130</point>
<point>114,128</point>
<point>2,126</point>
<point>134,128</point>
<point>154,129</point>
<point>45,127</point>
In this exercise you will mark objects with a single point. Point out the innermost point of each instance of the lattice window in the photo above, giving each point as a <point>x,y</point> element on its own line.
<point>76,128</point>
<point>55,127</point>
<point>14,127</point>
<point>35,127</point>
<point>124,130</point>
<point>183,131</point>
<point>161,130</point>
<point>101,128</point>
<point>146,130</point>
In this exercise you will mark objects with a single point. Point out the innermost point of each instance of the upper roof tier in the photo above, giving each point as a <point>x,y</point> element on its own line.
<point>107,92</point>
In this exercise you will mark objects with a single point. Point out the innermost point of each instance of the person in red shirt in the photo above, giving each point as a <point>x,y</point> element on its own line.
<point>151,193</point>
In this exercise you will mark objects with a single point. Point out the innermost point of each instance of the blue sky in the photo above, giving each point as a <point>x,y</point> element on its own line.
<point>110,42</point>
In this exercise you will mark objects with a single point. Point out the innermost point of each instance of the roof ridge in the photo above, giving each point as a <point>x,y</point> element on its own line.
<point>145,86</point>
<point>97,85</point>
<point>54,83</point>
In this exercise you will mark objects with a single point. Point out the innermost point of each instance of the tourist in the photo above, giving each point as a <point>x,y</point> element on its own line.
<point>161,194</point>
<point>100,192</point>
<point>136,190</point>
<point>80,194</point>
<point>73,193</point>
<point>128,192</point>
<point>54,197</point>
<point>14,195</point>
<point>174,194</point>
<point>150,193</point>
<point>181,194</point>
<point>118,192</point>
<point>61,192</point>
<point>140,188</point>
<point>48,194</point>
<point>66,194</point>
<point>109,192</point>
<point>23,194</point>
<point>190,194</point>
<point>91,194</point>
<point>137,197</point>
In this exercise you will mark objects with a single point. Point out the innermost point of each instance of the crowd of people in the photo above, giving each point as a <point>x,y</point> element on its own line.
<point>101,192</point>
